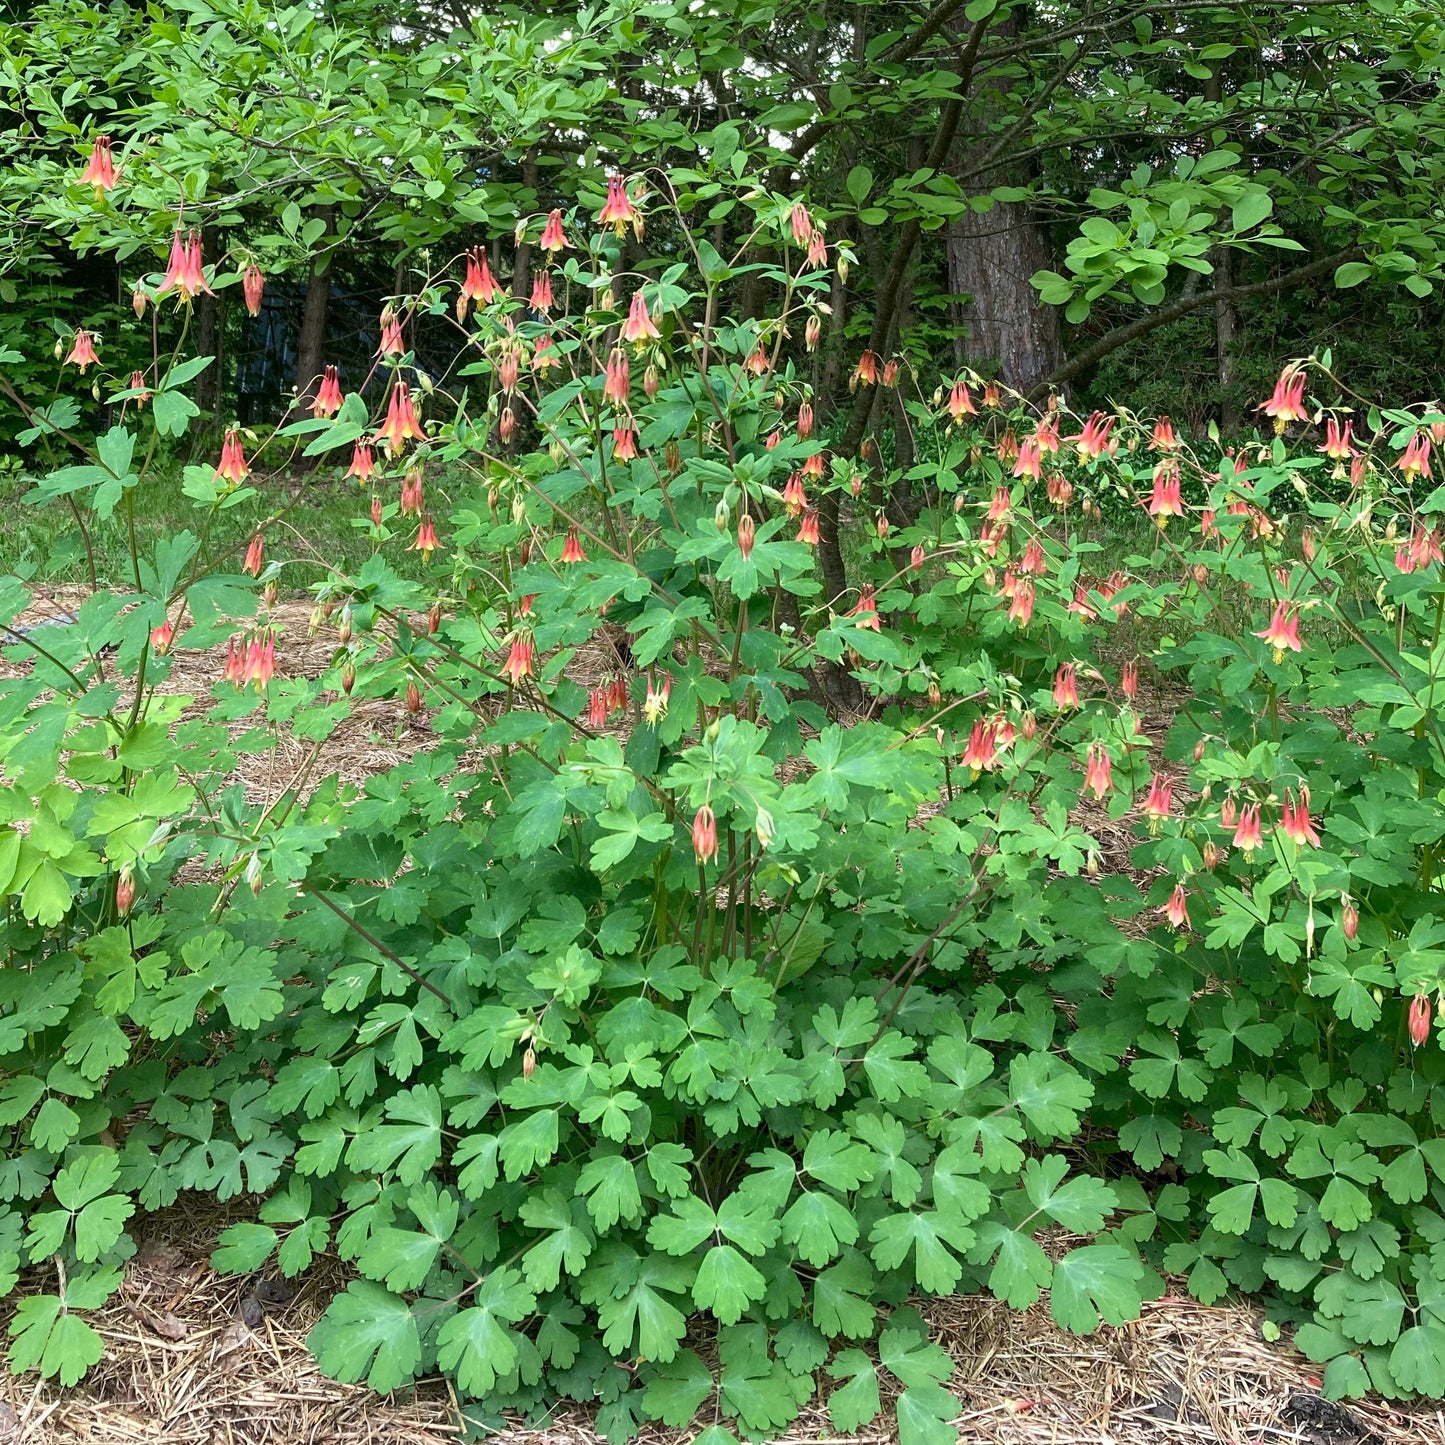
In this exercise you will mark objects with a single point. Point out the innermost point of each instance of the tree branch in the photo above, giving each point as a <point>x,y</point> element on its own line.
<point>1122,335</point>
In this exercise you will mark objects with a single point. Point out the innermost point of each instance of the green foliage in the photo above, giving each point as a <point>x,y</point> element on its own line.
<point>662,1005</point>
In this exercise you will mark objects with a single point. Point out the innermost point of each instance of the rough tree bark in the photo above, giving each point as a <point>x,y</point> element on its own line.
<point>311,343</point>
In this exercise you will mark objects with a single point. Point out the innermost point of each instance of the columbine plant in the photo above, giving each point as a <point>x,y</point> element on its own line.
<point>654,1018</point>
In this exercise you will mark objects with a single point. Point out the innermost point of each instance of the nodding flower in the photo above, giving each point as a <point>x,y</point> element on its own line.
<point>1167,500</point>
<point>328,394</point>
<point>1094,440</point>
<point>1287,402</point>
<point>363,465</point>
<point>541,298</point>
<point>704,834</point>
<point>232,466</point>
<point>617,378</point>
<point>624,444</point>
<point>554,239</point>
<point>866,372</point>
<point>519,659</point>
<point>1296,823</point>
<point>401,424</point>
<point>980,755</point>
<point>639,325</point>
<point>1164,439</point>
<point>82,352</point>
<point>1160,800</point>
<point>802,224</point>
<point>1419,1019</point>
<point>747,533</point>
<point>161,637</point>
<point>391,343</point>
<point>795,499</point>
<point>654,705</point>
<point>1339,444</point>
<point>1247,834</point>
<point>817,249</point>
<point>1030,462</point>
<point>1415,459</point>
<point>184,271</point>
<point>100,168</point>
<point>1129,679</point>
<point>426,538</point>
<point>866,610</point>
<point>572,548</point>
<point>1066,686</point>
<point>960,402</point>
<point>808,527</point>
<point>1282,633</point>
<point>619,212</point>
<point>1021,606</point>
<point>478,284</point>
<point>1098,773</point>
<point>253,287</point>
<point>1177,908</point>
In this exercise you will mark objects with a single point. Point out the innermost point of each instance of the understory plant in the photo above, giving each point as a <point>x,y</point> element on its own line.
<point>663,1027</point>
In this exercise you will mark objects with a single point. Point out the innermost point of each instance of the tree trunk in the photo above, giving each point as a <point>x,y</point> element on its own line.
<point>1226,314</point>
<point>311,343</point>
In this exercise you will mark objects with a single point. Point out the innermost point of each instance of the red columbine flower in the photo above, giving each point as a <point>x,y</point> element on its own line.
<point>235,661</point>
<point>392,342</point>
<point>866,610</point>
<point>624,444</point>
<point>638,327</point>
<point>82,352</point>
<point>1094,440</point>
<point>478,285</point>
<point>362,467</point>
<point>1167,500</point>
<point>704,834</point>
<point>992,395</point>
<point>542,299</point>
<point>1129,680</point>
<point>524,605</point>
<point>1424,546</point>
<point>795,499</point>
<point>1060,489</point>
<point>813,466</point>
<point>99,169</point>
<point>125,890</point>
<point>597,708</point>
<point>328,394</point>
<point>261,660</point>
<point>553,239</point>
<point>1339,445</point>
<point>866,372</point>
<point>1419,1019</point>
<point>1160,800</point>
<point>1046,434</point>
<point>232,466</point>
<point>617,379</point>
<point>572,548</point>
<point>1248,834</point>
<point>401,424</point>
<point>376,514</point>
<point>1031,461</point>
<point>808,527</point>
<point>411,495</point>
<point>1287,403</point>
<point>805,422</point>
<point>747,531</point>
<point>161,637</point>
<point>980,754</point>
<point>817,248</point>
<point>758,362</point>
<point>1000,505</point>
<point>1098,774</point>
<point>1021,608</point>
<point>1296,822</point>
<point>1415,459</point>
<point>960,403</point>
<point>255,556</point>
<point>1164,439</point>
<point>1066,686</point>
<point>544,354</point>
<point>812,333</point>
<point>507,424</point>
<point>802,224</point>
<point>138,384</point>
<point>1283,630</point>
<point>890,372</point>
<point>1008,445</point>
<point>654,705</point>
<point>509,366</point>
<point>619,212</point>
<point>1033,562</point>
<point>519,660</point>
<point>185,273</point>
<point>1177,909</point>
<point>426,538</point>
<point>253,285</point>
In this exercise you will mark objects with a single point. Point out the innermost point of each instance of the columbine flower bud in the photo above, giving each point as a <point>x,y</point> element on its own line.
<point>747,531</point>
<point>704,834</point>
<point>434,620</point>
<point>348,678</point>
<point>1029,726</point>
<point>881,526</point>
<point>651,382</point>
<point>764,828</point>
<point>720,517</point>
<point>138,300</point>
<point>124,891</point>
<point>255,874</point>
<point>1350,919</point>
<point>935,693</point>
<point>529,1062</point>
<point>813,332</point>
<point>343,628</point>
<point>269,593</point>
<point>413,696</point>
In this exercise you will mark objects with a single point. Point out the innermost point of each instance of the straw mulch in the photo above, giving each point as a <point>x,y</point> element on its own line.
<point>195,1359</point>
